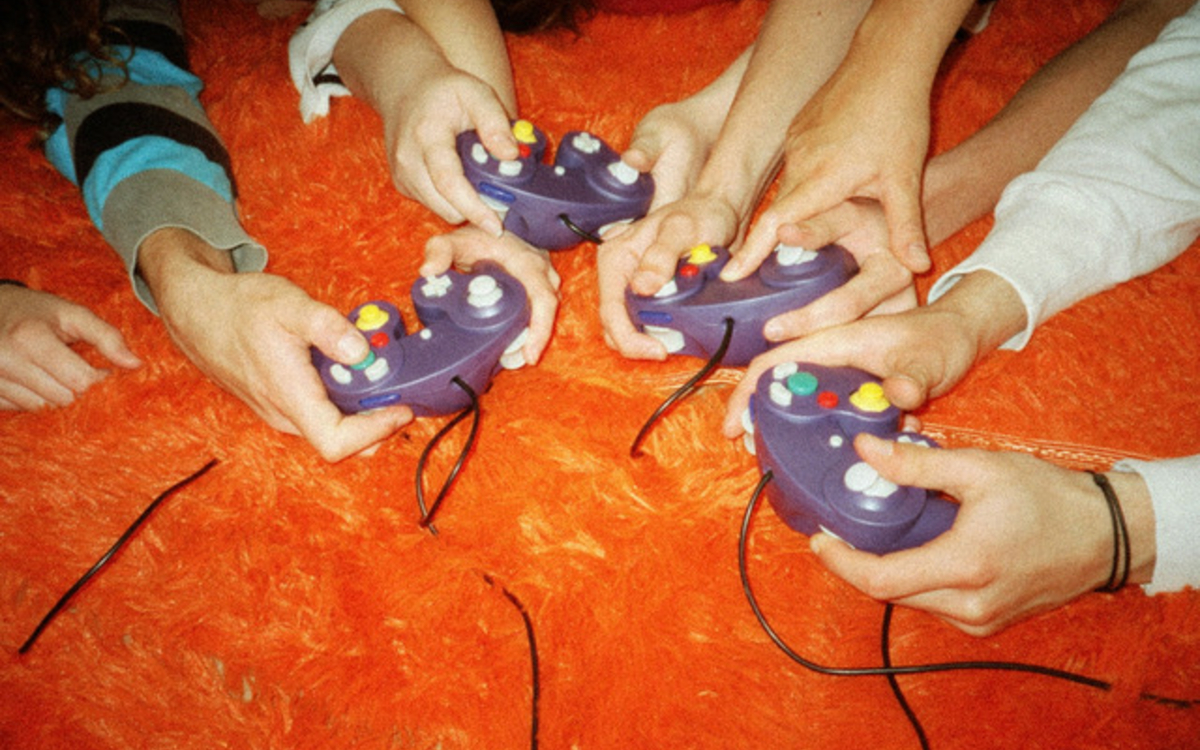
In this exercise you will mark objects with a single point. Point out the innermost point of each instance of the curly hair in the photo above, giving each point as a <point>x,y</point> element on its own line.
<point>522,16</point>
<point>40,42</point>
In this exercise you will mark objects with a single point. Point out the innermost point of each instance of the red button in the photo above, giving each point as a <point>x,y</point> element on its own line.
<point>523,150</point>
<point>379,340</point>
<point>689,271</point>
<point>827,399</point>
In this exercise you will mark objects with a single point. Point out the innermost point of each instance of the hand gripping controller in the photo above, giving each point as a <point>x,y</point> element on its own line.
<point>688,314</point>
<point>804,418</point>
<point>588,186</point>
<point>475,325</point>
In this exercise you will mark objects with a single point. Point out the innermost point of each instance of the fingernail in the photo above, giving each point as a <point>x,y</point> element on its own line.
<point>816,543</point>
<point>876,445</point>
<point>352,348</point>
<point>773,331</point>
<point>493,227</point>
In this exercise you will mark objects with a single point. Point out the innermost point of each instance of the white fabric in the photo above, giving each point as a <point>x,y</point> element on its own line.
<point>310,50</point>
<point>1118,197</point>
<point>1175,489</point>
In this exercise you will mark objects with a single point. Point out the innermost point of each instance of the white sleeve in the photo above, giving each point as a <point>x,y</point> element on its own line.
<point>310,51</point>
<point>1116,198</point>
<point>1174,487</point>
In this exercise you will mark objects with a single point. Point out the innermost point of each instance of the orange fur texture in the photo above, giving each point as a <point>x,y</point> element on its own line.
<point>281,602</point>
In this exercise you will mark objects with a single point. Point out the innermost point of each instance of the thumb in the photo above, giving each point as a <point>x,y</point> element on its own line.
<point>903,463</point>
<point>334,335</point>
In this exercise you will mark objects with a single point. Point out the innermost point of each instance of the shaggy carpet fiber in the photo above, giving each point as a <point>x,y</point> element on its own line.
<point>282,602</point>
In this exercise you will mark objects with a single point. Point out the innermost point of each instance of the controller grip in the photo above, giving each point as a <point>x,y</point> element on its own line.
<point>935,520</point>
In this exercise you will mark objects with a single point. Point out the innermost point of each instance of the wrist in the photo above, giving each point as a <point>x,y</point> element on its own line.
<point>987,309</point>
<point>736,177</point>
<point>1138,511</point>
<point>169,257</point>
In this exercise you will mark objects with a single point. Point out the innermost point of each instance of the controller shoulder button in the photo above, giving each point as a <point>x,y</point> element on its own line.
<point>669,337</point>
<point>513,358</point>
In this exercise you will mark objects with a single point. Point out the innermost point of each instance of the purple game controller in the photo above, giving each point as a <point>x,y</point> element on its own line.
<point>587,186</point>
<point>475,325</point>
<point>688,314</point>
<point>801,425</point>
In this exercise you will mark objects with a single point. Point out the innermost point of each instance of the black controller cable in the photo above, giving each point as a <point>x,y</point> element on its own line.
<point>471,410</point>
<point>713,363</point>
<point>108,556</point>
<point>890,671</point>
<point>583,233</point>
<point>534,666</point>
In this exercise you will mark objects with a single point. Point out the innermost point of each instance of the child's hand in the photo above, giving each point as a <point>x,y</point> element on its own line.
<point>881,286</point>
<point>1029,537</point>
<point>643,257</point>
<point>672,143</point>
<point>527,264</point>
<point>918,354</point>
<point>38,368</point>
<point>420,134</point>
<point>859,137</point>
<point>252,333</point>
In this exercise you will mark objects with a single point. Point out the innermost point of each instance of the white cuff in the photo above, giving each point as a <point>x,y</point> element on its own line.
<point>310,51</point>
<point>1174,492</point>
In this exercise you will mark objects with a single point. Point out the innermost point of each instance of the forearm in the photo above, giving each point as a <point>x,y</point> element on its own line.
<point>900,43</point>
<point>469,37</point>
<point>965,183</point>
<point>172,170</point>
<point>1069,229</point>
<point>172,260</point>
<point>776,84</point>
<point>382,54</point>
<point>988,309</point>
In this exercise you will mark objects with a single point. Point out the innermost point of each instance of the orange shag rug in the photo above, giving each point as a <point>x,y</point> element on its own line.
<point>281,602</point>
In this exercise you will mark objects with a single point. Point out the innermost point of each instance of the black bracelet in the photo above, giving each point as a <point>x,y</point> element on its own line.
<point>1121,556</point>
<point>12,282</point>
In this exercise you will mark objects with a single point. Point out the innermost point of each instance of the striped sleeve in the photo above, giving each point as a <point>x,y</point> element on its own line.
<point>144,153</point>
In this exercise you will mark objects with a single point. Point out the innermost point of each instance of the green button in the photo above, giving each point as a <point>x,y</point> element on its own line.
<point>802,383</point>
<point>365,363</point>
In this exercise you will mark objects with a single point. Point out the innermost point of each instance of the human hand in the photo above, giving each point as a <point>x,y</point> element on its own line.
<point>1029,537</point>
<point>918,354</point>
<point>671,143</point>
<point>643,257</point>
<point>881,286</point>
<point>251,333</point>
<point>38,367</point>
<point>529,265</point>
<point>420,133</point>
<point>861,136</point>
